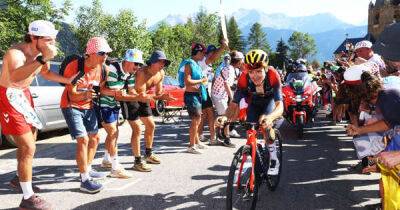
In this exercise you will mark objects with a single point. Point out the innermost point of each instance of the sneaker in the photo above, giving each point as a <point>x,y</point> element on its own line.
<point>91,186</point>
<point>234,134</point>
<point>152,159</point>
<point>203,139</point>
<point>214,143</point>
<point>228,143</point>
<point>193,150</point>
<point>201,146</point>
<point>97,175</point>
<point>273,169</point>
<point>106,164</point>
<point>120,173</point>
<point>35,202</point>
<point>143,167</point>
<point>14,183</point>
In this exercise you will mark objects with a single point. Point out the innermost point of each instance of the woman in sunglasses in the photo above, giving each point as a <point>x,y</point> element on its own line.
<point>260,85</point>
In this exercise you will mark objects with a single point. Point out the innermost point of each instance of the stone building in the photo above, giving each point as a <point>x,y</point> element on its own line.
<point>382,13</point>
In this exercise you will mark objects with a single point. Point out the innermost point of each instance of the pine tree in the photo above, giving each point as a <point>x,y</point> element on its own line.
<point>282,53</point>
<point>235,37</point>
<point>258,39</point>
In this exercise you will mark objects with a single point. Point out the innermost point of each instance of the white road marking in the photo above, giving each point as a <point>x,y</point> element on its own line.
<point>123,187</point>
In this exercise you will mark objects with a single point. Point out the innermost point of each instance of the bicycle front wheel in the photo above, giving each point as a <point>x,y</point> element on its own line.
<point>238,193</point>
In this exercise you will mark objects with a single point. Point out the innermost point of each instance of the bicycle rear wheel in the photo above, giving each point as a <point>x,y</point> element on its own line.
<point>240,196</point>
<point>273,180</point>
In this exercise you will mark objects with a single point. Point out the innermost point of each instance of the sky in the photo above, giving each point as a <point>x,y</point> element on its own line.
<point>350,11</point>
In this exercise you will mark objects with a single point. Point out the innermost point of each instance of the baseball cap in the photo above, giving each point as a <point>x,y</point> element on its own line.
<point>42,28</point>
<point>388,43</point>
<point>197,47</point>
<point>97,44</point>
<point>363,44</point>
<point>134,56</point>
<point>156,56</point>
<point>236,55</point>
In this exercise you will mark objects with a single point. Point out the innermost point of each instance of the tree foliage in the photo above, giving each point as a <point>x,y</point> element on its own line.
<point>281,53</point>
<point>122,31</point>
<point>235,37</point>
<point>302,45</point>
<point>258,39</point>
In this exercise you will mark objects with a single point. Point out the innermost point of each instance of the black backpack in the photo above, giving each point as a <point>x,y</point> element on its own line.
<point>69,59</point>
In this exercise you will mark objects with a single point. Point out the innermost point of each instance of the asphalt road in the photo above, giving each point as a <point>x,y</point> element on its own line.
<point>314,173</point>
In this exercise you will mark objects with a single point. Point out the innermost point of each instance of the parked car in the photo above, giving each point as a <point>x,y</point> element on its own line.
<point>170,85</point>
<point>46,97</point>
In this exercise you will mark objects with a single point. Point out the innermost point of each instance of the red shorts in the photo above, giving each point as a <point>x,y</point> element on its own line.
<point>12,122</point>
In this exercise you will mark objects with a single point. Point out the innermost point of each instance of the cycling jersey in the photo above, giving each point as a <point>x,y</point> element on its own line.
<point>272,86</point>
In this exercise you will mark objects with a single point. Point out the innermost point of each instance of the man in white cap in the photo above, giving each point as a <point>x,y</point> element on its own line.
<point>119,86</point>
<point>21,63</point>
<point>364,52</point>
<point>77,108</point>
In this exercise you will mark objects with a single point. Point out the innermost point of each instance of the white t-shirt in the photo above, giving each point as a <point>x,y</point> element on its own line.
<point>207,71</point>
<point>378,60</point>
<point>228,76</point>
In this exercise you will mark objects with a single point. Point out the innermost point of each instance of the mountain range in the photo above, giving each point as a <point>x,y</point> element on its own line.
<point>327,30</point>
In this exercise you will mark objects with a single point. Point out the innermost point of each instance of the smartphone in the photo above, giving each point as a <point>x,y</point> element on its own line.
<point>79,76</point>
<point>96,89</point>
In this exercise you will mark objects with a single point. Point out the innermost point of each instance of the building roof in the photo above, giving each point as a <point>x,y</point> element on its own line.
<point>353,41</point>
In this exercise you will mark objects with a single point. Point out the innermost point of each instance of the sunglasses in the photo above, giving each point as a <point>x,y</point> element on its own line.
<point>138,64</point>
<point>252,66</point>
<point>102,53</point>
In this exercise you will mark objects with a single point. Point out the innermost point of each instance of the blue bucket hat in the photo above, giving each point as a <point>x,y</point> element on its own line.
<point>134,56</point>
<point>156,56</point>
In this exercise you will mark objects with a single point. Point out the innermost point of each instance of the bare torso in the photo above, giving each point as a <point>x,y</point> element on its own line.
<point>145,80</point>
<point>16,57</point>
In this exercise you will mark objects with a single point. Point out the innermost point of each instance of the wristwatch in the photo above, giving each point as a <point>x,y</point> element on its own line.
<point>40,60</point>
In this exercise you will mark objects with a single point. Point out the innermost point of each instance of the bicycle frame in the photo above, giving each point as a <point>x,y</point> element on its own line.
<point>252,142</point>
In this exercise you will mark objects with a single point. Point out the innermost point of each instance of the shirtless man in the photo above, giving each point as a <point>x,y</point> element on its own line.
<point>150,76</point>
<point>21,64</point>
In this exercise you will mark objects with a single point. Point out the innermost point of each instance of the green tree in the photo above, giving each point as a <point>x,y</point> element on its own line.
<point>281,53</point>
<point>15,16</point>
<point>122,31</point>
<point>235,37</point>
<point>91,21</point>
<point>258,39</point>
<point>302,45</point>
<point>125,32</point>
<point>206,28</point>
<point>175,41</point>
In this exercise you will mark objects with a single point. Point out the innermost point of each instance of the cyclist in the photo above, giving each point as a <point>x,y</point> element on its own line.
<point>260,85</point>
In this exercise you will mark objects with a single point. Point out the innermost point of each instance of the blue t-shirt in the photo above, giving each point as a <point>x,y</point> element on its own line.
<point>388,104</point>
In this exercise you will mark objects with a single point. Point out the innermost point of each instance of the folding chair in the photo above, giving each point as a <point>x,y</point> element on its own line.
<point>172,114</point>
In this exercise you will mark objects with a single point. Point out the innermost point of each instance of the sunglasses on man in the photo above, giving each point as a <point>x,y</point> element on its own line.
<point>102,53</point>
<point>138,64</point>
